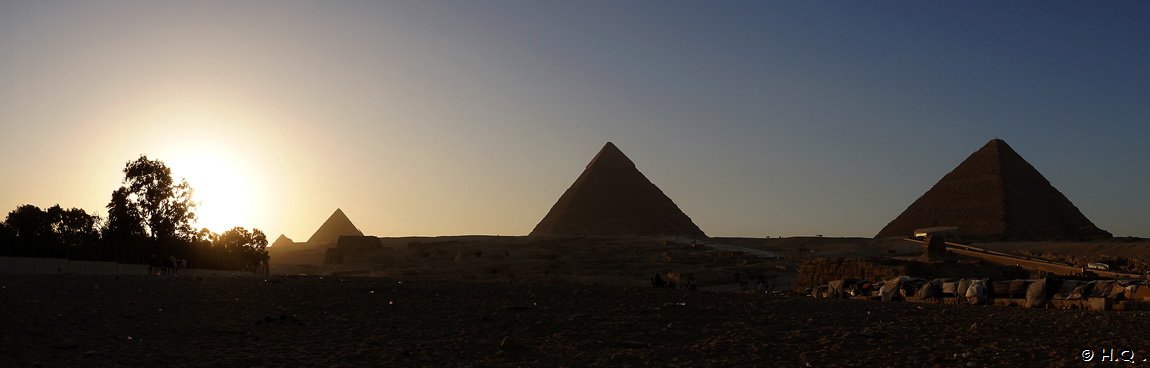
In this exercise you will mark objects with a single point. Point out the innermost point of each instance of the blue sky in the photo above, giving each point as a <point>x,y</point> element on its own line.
<point>459,117</point>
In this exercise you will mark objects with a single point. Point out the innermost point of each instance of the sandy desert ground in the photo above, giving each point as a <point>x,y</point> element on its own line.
<point>574,303</point>
<point>106,321</point>
<point>616,261</point>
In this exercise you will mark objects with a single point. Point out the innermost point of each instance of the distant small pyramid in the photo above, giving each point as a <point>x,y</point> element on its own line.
<point>283,241</point>
<point>996,195</point>
<point>613,198</point>
<point>335,226</point>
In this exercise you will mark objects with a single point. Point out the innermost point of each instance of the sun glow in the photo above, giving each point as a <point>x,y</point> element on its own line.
<point>221,187</point>
<point>219,148</point>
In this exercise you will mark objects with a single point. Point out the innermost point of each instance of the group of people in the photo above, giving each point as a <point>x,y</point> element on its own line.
<point>166,267</point>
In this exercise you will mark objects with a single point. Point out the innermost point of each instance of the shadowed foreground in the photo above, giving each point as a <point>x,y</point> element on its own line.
<point>56,321</point>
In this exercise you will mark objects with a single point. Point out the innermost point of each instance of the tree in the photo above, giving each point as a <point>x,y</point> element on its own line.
<point>152,215</point>
<point>164,208</point>
<point>201,253</point>
<point>57,232</point>
<point>76,232</point>
<point>123,233</point>
<point>29,222</point>
<point>124,221</point>
<point>246,249</point>
<point>7,240</point>
<point>32,228</point>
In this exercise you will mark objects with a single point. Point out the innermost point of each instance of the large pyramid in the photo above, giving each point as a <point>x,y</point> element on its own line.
<point>613,198</point>
<point>996,195</point>
<point>335,226</point>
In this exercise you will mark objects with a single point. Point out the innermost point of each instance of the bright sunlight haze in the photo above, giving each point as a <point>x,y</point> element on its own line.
<point>472,117</point>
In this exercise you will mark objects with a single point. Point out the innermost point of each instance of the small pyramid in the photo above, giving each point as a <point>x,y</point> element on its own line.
<point>613,198</point>
<point>996,195</point>
<point>337,225</point>
<point>282,241</point>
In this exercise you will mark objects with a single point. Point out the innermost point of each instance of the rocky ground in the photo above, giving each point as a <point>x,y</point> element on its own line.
<point>137,321</point>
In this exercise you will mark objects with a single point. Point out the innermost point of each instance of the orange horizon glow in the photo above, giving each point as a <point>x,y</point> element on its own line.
<point>213,148</point>
<point>429,118</point>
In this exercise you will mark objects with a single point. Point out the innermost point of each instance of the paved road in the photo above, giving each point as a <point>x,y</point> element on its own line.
<point>1028,263</point>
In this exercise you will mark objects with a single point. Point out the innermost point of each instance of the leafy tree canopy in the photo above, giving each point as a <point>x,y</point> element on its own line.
<point>151,203</point>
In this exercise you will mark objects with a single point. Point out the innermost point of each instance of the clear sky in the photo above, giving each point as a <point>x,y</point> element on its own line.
<point>472,117</point>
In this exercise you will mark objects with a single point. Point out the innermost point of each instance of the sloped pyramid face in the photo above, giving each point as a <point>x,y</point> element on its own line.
<point>282,241</point>
<point>613,198</point>
<point>996,195</point>
<point>335,226</point>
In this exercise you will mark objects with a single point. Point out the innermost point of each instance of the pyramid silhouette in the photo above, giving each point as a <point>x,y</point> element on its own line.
<point>996,195</point>
<point>336,225</point>
<point>282,241</point>
<point>613,198</point>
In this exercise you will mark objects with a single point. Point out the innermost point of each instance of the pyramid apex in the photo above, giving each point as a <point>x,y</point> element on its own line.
<point>282,240</point>
<point>338,213</point>
<point>996,142</point>
<point>999,151</point>
<point>610,157</point>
